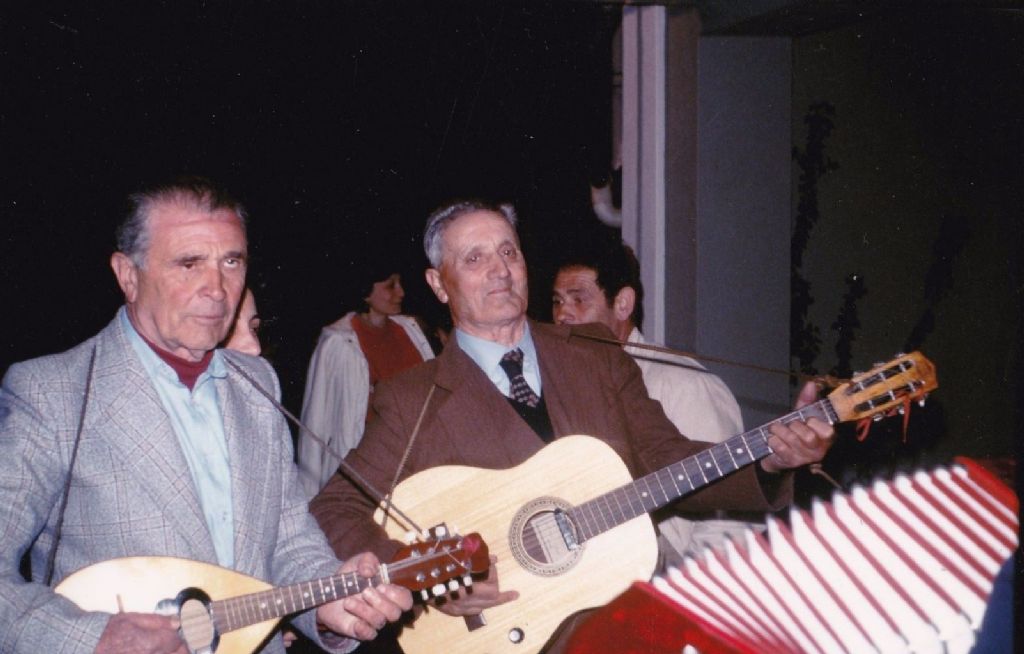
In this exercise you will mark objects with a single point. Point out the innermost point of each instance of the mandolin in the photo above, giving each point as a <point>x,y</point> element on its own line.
<point>228,612</point>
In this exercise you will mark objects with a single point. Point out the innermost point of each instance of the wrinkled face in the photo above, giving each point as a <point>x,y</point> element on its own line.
<point>386,296</point>
<point>482,275</point>
<point>245,332</point>
<point>184,299</point>
<point>576,299</point>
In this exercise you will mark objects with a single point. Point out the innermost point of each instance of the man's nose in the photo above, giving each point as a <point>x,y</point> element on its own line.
<point>499,267</point>
<point>562,315</point>
<point>215,283</point>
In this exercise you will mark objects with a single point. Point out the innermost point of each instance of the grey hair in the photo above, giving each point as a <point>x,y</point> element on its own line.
<point>433,233</point>
<point>196,192</point>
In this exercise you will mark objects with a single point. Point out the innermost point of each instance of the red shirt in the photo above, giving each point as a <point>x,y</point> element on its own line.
<point>188,371</point>
<point>388,349</point>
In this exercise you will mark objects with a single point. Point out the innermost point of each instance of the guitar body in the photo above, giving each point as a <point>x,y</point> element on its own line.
<point>517,523</point>
<point>138,584</point>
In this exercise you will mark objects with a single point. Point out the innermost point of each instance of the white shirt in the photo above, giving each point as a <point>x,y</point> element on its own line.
<point>702,408</point>
<point>196,419</point>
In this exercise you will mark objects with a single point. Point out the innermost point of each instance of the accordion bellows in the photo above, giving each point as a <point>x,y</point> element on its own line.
<point>905,565</point>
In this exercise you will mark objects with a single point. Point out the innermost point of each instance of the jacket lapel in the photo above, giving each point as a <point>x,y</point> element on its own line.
<point>137,430</point>
<point>249,466</point>
<point>473,405</point>
<point>556,373</point>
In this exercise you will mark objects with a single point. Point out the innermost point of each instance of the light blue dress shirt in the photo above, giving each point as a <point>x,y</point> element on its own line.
<point>487,355</point>
<point>197,421</point>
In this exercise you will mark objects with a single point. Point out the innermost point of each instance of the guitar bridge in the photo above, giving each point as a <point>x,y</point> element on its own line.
<point>566,530</point>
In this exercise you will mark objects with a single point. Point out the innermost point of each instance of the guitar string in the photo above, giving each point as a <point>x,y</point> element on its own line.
<point>630,496</point>
<point>624,503</point>
<point>822,409</point>
<point>612,517</point>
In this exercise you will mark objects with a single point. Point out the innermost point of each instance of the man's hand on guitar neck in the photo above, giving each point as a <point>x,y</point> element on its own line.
<point>798,443</point>
<point>362,616</point>
<point>483,595</point>
<point>140,633</point>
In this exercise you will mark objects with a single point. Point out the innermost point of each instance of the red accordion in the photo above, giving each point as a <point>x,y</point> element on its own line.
<point>903,566</point>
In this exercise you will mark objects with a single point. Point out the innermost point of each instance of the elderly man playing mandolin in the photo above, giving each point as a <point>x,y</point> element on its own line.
<point>502,389</point>
<point>145,440</point>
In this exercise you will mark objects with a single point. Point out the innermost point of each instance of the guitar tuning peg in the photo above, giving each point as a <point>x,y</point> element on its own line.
<point>922,401</point>
<point>410,537</point>
<point>900,354</point>
<point>878,417</point>
<point>467,581</point>
<point>453,585</point>
<point>424,595</point>
<point>857,373</point>
<point>900,410</point>
<point>438,590</point>
<point>440,531</point>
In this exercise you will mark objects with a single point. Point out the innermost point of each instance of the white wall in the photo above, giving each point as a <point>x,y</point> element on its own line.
<point>743,216</point>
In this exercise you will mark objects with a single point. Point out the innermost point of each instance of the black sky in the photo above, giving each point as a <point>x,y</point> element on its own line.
<point>340,125</point>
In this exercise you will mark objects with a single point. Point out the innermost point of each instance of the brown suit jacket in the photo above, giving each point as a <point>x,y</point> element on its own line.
<point>589,387</point>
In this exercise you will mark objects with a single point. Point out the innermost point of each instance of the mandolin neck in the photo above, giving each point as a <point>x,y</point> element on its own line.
<point>238,612</point>
<point>672,482</point>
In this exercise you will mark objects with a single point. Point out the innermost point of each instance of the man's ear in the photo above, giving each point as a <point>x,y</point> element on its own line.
<point>433,276</point>
<point>127,274</point>
<point>625,301</point>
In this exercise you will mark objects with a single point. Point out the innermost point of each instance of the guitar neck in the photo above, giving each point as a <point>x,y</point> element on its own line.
<point>672,482</point>
<point>238,612</point>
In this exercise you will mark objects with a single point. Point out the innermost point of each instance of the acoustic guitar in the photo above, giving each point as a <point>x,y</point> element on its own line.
<point>570,526</point>
<point>228,612</point>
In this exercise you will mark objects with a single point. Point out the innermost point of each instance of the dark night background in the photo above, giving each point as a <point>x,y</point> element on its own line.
<point>339,125</point>
<point>342,124</point>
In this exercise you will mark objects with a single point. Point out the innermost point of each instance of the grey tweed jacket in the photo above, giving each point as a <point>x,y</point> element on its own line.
<point>132,492</point>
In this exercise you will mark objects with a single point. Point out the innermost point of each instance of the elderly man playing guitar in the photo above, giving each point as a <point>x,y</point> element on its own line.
<point>503,388</point>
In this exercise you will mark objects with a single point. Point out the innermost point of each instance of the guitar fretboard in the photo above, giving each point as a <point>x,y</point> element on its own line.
<point>683,477</point>
<point>238,612</point>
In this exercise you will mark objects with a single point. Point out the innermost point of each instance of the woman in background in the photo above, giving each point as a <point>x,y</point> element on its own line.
<point>244,336</point>
<point>351,357</point>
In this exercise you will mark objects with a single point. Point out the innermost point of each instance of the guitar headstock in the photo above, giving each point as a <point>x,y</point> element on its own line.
<point>436,566</point>
<point>884,387</point>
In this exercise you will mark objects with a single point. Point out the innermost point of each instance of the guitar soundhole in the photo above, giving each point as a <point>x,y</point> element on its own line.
<point>537,542</point>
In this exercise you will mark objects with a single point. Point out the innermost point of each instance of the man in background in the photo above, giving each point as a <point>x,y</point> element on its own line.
<point>601,284</point>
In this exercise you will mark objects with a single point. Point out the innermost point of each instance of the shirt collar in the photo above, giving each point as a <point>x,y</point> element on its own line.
<point>154,365</point>
<point>487,354</point>
<point>635,337</point>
